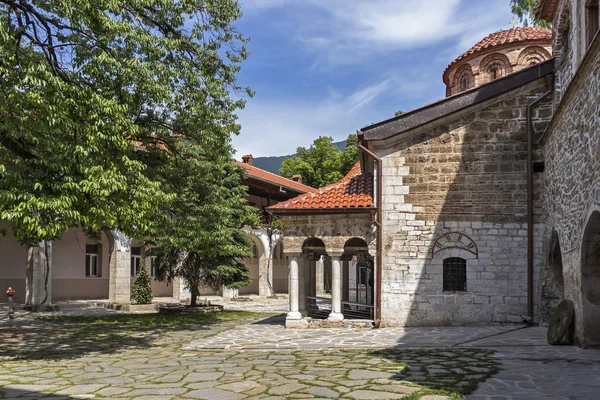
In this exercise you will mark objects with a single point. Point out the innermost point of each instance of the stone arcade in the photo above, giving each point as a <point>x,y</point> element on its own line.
<point>469,208</point>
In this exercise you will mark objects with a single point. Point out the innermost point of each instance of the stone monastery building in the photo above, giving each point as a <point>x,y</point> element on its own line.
<point>481,208</point>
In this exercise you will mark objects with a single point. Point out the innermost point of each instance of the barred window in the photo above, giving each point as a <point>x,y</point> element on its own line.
<point>455,274</point>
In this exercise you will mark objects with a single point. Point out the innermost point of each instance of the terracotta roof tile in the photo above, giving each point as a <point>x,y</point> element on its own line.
<point>353,191</point>
<point>514,35</point>
<point>263,175</point>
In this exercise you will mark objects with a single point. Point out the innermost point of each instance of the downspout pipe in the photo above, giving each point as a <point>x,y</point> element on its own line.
<point>530,194</point>
<point>378,223</point>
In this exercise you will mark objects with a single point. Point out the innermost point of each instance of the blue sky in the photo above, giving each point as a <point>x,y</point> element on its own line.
<point>330,67</point>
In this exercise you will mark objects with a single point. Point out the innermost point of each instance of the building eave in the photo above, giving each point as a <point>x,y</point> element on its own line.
<point>305,211</point>
<point>445,107</point>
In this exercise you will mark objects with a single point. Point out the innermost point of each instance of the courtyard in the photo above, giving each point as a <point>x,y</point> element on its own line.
<point>238,354</point>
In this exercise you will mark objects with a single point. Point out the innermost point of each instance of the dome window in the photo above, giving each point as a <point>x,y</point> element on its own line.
<point>464,84</point>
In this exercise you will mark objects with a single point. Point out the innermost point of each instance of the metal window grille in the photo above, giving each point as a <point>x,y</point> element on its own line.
<point>455,274</point>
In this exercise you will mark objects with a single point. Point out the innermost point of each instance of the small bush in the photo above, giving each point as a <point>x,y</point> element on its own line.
<point>142,288</point>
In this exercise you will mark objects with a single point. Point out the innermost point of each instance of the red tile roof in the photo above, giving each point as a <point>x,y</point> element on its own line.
<point>355,190</point>
<point>263,175</point>
<point>514,35</point>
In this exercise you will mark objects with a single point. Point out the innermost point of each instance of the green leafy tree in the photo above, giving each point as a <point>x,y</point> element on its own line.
<point>322,163</point>
<point>141,292</point>
<point>398,113</point>
<point>524,9</point>
<point>350,154</point>
<point>200,237</point>
<point>92,90</point>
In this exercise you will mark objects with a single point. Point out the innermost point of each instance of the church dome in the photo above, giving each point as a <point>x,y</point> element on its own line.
<point>496,55</point>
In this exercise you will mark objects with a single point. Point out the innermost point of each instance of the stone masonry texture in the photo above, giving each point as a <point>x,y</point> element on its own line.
<point>465,177</point>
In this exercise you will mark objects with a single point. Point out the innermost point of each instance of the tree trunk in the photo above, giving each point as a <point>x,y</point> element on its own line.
<point>193,295</point>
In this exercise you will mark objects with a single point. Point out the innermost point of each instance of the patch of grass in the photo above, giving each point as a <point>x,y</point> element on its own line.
<point>149,321</point>
<point>456,371</point>
<point>426,392</point>
<point>71,336</point>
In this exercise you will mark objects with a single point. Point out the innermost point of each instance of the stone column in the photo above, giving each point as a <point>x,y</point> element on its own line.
<point>180,291</point>
<point>265,275</point>
<point>119,282</point>
<point>336,289</point>
<point>38,276</point>
<point>304,283</point>
<point>294,312</point>
<point>320,276</point>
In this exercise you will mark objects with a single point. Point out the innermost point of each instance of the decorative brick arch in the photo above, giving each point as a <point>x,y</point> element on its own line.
<point>497,61</point>
<point>533,55</point>
<point>455,244</point>
<point>463,79</point>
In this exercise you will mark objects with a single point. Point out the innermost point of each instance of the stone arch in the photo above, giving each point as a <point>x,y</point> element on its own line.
<point>495,63</point>
<point>463,79</point>
<point>552,290</point>
<point>314,247</point>
<point>257,266</point>
<point>590,280</point>
<point>358,286</point>
<point>455,244</point>
<point>532,55</point>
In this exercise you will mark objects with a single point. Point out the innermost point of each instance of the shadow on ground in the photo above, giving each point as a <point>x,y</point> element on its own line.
<point>67,336</point>
<point>274,320</point>
<point>22,391</point>
<point>444,371</point>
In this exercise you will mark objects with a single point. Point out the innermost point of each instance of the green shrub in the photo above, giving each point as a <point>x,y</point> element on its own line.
<point>142,288</point>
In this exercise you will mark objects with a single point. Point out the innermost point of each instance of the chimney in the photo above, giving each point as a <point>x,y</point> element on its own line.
<point>297,178</point>
<point>247,159</point>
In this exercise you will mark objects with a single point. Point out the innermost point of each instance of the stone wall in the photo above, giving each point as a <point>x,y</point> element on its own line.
<point>457,188</point>
<point>571,148</point>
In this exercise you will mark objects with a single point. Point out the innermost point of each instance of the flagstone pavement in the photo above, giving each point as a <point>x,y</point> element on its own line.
<point>257,358</point>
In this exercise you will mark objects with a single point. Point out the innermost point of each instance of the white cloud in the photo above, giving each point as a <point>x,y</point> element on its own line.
<point>334,32</point>
<point>347,31</point>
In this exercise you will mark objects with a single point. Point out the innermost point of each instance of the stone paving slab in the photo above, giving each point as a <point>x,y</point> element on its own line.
<point>261,359</point>
<point>271,334</point>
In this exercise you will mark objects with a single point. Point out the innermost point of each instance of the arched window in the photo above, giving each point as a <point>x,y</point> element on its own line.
<point>464,84</point>
<point>463,79</point>
<point>495,65</point>
<point>455,274</point>
<point>254,251</point>
<point>495,72</point>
